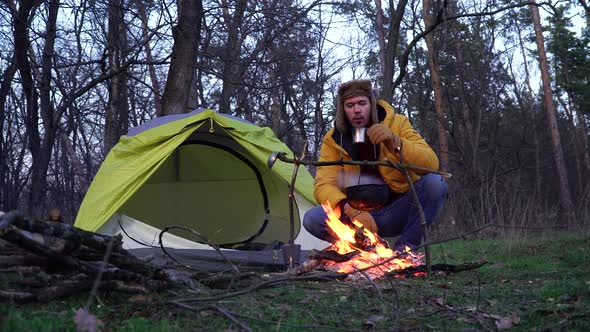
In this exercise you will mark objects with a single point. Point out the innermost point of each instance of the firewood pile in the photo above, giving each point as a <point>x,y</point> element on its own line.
<point>55,260</point>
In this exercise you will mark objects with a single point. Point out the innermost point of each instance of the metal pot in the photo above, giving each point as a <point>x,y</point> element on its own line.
<point>366,197</point>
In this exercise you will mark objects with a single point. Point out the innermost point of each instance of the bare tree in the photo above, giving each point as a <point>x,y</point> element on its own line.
<point>40,147</point>
<point>396,16</point>
<point>564,190</point>
<point>154,80</point>
<point>5,149</point>
<point>584,4</point>
<point>180,74</point>
<point>231,52</point>
<point>532,114</point>
<point>379,26</point>
<point>117,113</point>
<point>438,90</point>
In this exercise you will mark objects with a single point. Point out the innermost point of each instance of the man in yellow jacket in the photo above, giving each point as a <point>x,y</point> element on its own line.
<point>389,136</point>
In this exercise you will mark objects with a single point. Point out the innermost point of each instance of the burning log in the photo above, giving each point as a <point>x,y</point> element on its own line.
<point>362,241</point>
<point>333,255</point>
<point>356,249</point>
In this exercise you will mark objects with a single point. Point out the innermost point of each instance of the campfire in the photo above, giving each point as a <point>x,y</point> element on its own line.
<point>356,248</point>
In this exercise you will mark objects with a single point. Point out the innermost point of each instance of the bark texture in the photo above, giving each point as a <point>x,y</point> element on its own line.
<point>564,190</point>
<point>184,52</point>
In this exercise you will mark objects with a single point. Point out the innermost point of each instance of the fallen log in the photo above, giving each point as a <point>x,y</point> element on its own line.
<point>75,236</point>
<point>65,288</point>
<point>68,246</point>
<point>16,296</point>
<point>21,269</point>
<point>421,270</point>
<point>71,259</point>
<point>21,260</point>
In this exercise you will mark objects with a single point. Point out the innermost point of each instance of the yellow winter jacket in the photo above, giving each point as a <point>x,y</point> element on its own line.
<point>330,180</point>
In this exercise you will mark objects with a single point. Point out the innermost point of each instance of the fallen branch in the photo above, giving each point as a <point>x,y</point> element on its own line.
<point>217,309</point>
<point>321,276</point>
<point>204,238</point>
<point>421,269</point>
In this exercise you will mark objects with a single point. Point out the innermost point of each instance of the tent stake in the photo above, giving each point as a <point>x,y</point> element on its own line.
<point>293,251</point>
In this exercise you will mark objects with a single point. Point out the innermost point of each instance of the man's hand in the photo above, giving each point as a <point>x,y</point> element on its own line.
<point>380,133</point>
<point>363,217</point>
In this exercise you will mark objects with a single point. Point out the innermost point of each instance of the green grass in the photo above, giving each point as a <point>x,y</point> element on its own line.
<point>543,284</point>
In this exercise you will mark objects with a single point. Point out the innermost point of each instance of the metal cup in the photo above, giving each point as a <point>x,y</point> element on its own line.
<point>359,135</point>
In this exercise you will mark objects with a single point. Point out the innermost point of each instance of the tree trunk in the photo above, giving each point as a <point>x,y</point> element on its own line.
<point>148,56</point>
<point>40,148</point>
<point>583,135</point>
<point>21,45</point>
<point>564,190</point>
<point>584,4</point>
<point>117,114</point>
<point>396,15</point>
<point>576,147</point>
<point>7,77</point>
<point>438,95</point>
<point>48,114</point>
<point>184,52</point>
<point>231,54</point>
<point>380,35</point>
<point>531,111</point>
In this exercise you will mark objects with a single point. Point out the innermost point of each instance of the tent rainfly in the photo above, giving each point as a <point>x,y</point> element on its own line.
<point>204,171</point>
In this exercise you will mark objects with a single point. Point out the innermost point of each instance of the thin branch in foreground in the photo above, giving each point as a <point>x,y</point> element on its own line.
<point>324,276</point>
<point>103,265</point>
<point>204,238</point>
<point>217,309</point>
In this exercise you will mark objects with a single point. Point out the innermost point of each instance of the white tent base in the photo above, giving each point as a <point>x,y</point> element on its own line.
<point>137,234</point>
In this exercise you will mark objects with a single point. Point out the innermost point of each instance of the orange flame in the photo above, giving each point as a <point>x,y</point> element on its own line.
<point>376,253</point>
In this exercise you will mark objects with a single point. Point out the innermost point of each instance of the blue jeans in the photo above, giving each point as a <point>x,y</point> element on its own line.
<point>399,217</point>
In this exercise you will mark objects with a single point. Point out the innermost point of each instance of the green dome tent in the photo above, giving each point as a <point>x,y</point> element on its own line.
<point>201,170</point>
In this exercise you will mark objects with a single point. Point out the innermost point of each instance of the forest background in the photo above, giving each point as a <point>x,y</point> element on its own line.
<point>498,88</point>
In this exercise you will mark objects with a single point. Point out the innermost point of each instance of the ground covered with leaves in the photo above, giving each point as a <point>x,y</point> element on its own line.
<point>527,285</point>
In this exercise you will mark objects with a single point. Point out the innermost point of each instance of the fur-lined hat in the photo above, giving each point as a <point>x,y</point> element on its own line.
<point>354,88</point>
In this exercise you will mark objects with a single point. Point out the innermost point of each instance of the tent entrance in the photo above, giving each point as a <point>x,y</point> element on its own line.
<point>208,187</point>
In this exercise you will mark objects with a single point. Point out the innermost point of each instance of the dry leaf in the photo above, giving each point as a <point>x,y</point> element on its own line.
<point>371,323</point>
<point>515,318</point>
<point>498,265</point>
<point>440,301</point>
<point>507,322</point>
<point>87,322</point>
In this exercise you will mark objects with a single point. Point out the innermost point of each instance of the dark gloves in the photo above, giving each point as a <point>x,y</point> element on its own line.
<point>380,133</point>
<point>364,217</point>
